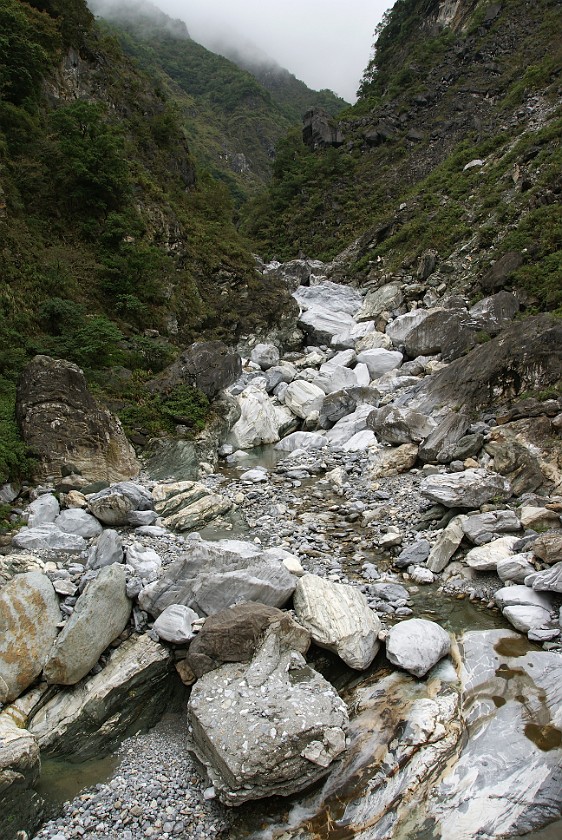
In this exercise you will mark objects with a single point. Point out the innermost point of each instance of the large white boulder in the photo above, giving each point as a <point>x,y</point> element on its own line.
<point>302,398</point>
<point>380,361</point>
<point>417,645</point>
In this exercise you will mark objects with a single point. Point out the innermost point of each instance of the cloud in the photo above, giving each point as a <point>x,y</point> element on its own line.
<point>326,43</point>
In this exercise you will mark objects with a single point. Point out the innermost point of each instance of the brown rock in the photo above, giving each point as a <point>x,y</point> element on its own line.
<point>548,547</point>
<point>63,424</point>
<point>234,634</point>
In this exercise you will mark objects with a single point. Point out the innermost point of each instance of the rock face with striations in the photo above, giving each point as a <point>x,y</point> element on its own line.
<point>272,727</point>
<point>62,424</point>
<point>207,365</point>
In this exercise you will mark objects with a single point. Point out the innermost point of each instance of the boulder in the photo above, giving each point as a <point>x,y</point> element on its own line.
<point>233,635</point>
<point>302,398</point>
<point>338,618</point>
<point>100,615</point>
<point>385,299</point>
<point>259,422</point>
<point>18,563</point>
<point>548,547</point>
<point>392,460</point>
<point>494,313</point>
<point>417,645</point>
<point>483,527</point>
<point>443,331</point>
<point>468,489</point>
<point>336,406</point>
<point>113,505</point>
<point>209,366</point>
<point>500,272</point>
<point>265,355</point>
<point>549,580</point>
<point>272,727</point>
<point>213,576</point>
<point>398,329</point>
<point>522,596</point>
<point>105,550</point>
<point>446,544</point>
<point>506,780</point>
<point>380,361</point>
<point>185,505</point>
<point>336,379</point>
<point>48,536</point>
<point>62,424</point>
<point>515,568</point>
<point>43,511</point>
<point>320,129</point>
<point>175,624</point>
<point>29,615</point>
<point>401,425</point>
<point>328,308</point>
<point>361,441</point>
<point>439,446</point>
<point>348,338</point>
<point>348,426</point>
<point>485,558</point>
<point>92,718</point>
<point>77,521</point>
<point>526,617</point>
<point>145,562</point>
<point>539,518</point>
<point>301,440</point>
<point>413,554</point>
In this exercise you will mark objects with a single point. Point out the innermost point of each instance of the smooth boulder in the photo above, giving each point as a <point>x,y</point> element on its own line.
<point>416,645</point>
<point>468,489</point>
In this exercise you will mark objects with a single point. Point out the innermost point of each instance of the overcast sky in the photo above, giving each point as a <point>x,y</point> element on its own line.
<point>326,43</point>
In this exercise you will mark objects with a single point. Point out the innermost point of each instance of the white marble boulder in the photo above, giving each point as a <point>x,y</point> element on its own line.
<point>468,489</point>
<point>338,618</point>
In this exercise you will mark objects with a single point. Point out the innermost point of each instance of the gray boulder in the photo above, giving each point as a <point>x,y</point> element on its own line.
<point>260,420</point>
<point>301,440</point>
<point>446,544</point>
<point>380,361</point>
<point>320,129</point>
<point>398,329</point>
<point>483,527</point>
<point>413,554</point>
<point>175,624</point>
<point>100,615</point>
<point>443,331</point>
<point>62,424</point>
<point>20,766</point>
<point>338,618</point>
<point>265,355</point>
<point>328,308</point>
<point>113,505</point>
<point>485,558</point>
<point>213,576</point>
<point>43,510</point>
<point>29,614</point>
<point>549,580</point>
<point>302,398</point>
<point>385,299</point>
<point>279,732</point>
<point>468,489</point>
<point>145,562</point>
<point>105,550</point>
<point>48,536</point>
<point>401,425</point>
<point>76,521</point>
<point>417,645</point>
<point>439,447</point>
<point>494,313</point>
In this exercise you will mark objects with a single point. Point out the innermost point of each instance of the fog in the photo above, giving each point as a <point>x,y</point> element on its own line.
<point>326,43</point>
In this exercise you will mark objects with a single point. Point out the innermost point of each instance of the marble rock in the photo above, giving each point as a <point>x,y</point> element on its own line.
<point>381,300</point>
<point>398,329</point>
<point>446,544</point>
<point>516,568</point>
<point>272,727</point>
<point>265,355</point>
<point>549,580</point>
<point>380,361</point>
<point>175,624</point>
<point>113,505</point>
<point>29,614</point>
<point>338,618</point>
<point>301,440</point>
<point>392,460</point>
<point>485,558</point>
<point>548,547</point>
<point>77,521</point>
<point>348,426</point>
<point>328,309</point>
<point>517,596</point>
<point>20,766</point>
<point>145,562</point>
<point>302,398</point>
<point>105,550</point>
<point>100,615</point>
<point>401,425</point>
<point>525,618</point>
<point>539,518</point>
<point>468,489</point>
<point>484,527</point>
<point>48,536</point>
<point>212,576</point>
<point>92,717</point>
<point>43,510</point>
<point>416,645</point>
<point>258,423</point>
<point>184,505</point>
<point>348,338</point>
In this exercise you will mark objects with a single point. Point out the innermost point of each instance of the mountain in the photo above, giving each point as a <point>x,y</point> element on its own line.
<point>453,146</point>
<point>234,111</point>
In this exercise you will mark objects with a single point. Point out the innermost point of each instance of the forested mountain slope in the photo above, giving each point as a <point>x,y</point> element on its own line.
<point>450,83</point>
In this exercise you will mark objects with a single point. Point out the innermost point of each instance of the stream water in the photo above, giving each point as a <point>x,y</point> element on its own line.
<point>320,814</point>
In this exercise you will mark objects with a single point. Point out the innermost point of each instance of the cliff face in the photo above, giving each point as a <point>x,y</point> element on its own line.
<point>450,83</point>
